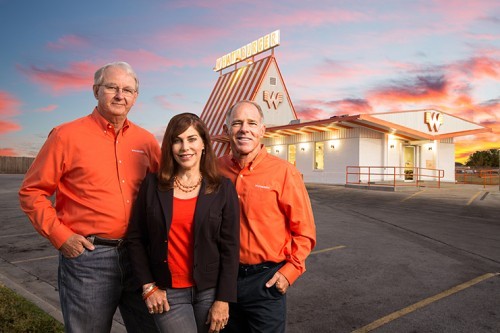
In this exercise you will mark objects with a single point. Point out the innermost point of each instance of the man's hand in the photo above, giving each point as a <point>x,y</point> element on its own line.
<point>280,281</point>
<point>74,246</point>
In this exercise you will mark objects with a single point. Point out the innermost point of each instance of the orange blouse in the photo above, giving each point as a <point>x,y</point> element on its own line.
<point>180,243</point>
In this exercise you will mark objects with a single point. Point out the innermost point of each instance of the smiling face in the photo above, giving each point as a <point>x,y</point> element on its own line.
<point>187,149</point>
<point>245,129</point>
<point>115,105</point>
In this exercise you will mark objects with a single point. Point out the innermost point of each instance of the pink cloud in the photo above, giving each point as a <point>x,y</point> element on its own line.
<point>482,37</point>
<point>481,67</point>
<point>340,71</point>
<point>9,105</point>
<point>67,42</point>
<point>427,89</point>
<point>8,126</point>
<point>187,35</point>
<point>165,104</point>
<point>77,76</point>
<point>317,109</point>
<point>8,152</point>
<point>306,112</point>
<point>145,60</point>
<point>280,16</point>
<point>310,18</point>
<point>48,108</point>
<point>461,13</point>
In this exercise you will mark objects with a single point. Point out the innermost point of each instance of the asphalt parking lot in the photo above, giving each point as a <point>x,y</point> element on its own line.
<point>426,260</point>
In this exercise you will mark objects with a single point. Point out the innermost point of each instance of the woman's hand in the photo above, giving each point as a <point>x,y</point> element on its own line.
<point>156,302</point>
<point>218,315</point>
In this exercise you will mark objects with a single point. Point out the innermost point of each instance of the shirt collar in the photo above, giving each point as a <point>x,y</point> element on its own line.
<point>106,125</point>
<point>260,156</point>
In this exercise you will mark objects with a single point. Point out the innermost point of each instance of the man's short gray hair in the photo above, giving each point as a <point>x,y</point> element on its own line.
<point>99,74</point>
<point>237,104</point>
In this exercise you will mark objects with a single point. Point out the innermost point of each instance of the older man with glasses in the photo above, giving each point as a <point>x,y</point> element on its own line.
<point>94,165</point>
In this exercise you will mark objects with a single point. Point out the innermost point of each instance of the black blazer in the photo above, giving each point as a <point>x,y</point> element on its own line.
<point>216,237</point>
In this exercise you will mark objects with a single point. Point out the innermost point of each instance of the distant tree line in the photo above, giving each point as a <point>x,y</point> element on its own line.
<point>483,158</point>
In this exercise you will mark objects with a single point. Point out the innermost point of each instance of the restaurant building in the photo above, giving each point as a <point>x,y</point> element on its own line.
<point>336,150</point>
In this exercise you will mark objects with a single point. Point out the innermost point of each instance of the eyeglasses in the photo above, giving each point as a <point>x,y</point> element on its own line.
<point>111,89</point>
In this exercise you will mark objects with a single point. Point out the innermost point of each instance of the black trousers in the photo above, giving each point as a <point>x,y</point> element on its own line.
<point>258,309</point>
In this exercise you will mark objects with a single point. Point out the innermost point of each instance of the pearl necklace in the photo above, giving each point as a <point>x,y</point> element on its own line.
<point>187,188</point>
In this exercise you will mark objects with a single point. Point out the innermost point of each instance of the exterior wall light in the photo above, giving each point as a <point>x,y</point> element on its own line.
<point>332,146</point>
<point>392,146</point>
<point>302,149</point>
<point>277,151</point>
<point>430,148</point>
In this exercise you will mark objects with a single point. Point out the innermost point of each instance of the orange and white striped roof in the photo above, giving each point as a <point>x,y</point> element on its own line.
<point>240,84</point>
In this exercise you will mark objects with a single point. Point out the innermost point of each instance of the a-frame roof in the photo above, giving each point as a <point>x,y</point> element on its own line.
<point>241,84</point>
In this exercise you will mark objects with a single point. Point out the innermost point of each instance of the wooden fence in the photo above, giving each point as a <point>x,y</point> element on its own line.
<point>14,164</point>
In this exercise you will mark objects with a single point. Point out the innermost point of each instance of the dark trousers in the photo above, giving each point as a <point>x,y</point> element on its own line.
<point>258,308</point>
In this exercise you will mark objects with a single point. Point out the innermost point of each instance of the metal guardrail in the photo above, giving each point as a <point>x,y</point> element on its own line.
<point>393,176</point>
<point>479,177</point>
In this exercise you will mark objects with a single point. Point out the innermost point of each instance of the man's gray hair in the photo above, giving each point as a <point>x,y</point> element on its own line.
<point>99,74</point>
<point>237,104</point>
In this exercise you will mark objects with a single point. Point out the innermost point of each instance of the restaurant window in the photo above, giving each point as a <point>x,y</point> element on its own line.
<point>319,156</point>
<point>291,153</point>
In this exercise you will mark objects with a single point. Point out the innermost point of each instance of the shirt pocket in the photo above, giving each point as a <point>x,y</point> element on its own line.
<point>260,203</point>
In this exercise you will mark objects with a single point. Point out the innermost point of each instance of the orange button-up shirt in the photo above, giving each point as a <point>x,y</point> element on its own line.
<point>95,175</point>
<point>276,218</point>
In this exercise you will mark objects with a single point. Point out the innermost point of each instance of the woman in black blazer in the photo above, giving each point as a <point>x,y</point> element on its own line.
<point>183,237</point>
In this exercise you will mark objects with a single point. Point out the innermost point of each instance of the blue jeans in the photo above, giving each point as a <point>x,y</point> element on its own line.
<point>93,285</point>
<point>258,309</point>
<point>188,311</point>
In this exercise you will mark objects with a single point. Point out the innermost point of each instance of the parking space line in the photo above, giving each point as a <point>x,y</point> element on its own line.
<point>411,196</point>
<point>329,249</point>
<point>33,259</point>
<point>421,304</point>
<point>473,198</point>
<point>18,235</point>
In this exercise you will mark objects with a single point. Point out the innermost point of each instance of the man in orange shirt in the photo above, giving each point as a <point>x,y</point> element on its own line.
<point>277,230</point>
<point>94,165</point>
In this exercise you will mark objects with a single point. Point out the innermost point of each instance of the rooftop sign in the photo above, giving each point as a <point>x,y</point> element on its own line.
<point>260,45</point>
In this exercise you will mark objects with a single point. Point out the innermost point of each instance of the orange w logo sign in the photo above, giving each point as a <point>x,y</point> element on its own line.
<point>434,120</point>
<point>274,98</point>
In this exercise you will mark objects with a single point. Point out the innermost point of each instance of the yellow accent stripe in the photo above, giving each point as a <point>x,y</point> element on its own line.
<point>414,194</point>
<point>421,304</point>
<point>33,259</point>
<point>18,235</point>
<point>329,249</point>
<point>473,198</point>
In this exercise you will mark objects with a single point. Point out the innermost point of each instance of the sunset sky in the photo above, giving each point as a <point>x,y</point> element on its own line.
<point>336,57</point>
